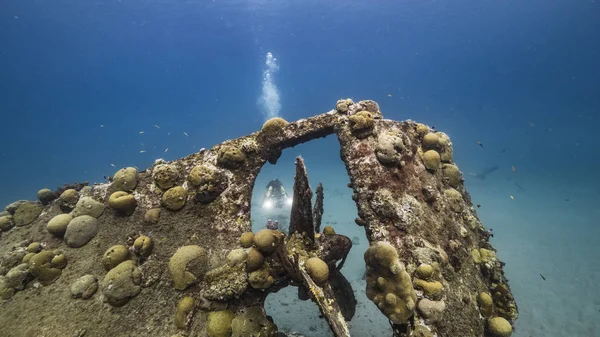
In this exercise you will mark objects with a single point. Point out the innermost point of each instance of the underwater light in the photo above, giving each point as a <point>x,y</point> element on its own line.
<point>288,201</point>
<point>268,204</point>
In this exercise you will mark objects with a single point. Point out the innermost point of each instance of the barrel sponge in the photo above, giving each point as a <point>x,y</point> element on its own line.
<point>26,213</point>
<point>455,200</point>
<point>165,176</point>
<point>431,159</point>
<point>431,289</point>
<point>422,129</point>
<point>247,239</point>
<point>317,269</point>
<point>152,215</point>
<point>342,105</point>
<point>255,260</point>
<point>443,139</point>
<point>143,245</point>
<point>201,175</point>
<point>452,174</point>
<point>261,278</point>
<point>328,230</point>
<point>184,309</point>
<point>361,120</point>
<point>499,327</point>
<point>187,266</point>
<point>114,256</point>
<point>252,321</point>
<point>230,157</point>
<point>274,125</point>
<point>388,284</point>
<point>431,141</point>
<point>69,197</point>
<point>41,267</point>
<point>264,240</point>
<point>121,283</point>
<point>122,202</point>
<point>487,255</point>
<point>219,323</point>
<point>45,196</point>
<point>125,179</point>
<point>174,198</point>
<point>424,271</point>
<point>485,304</point>
<point>7,222</point>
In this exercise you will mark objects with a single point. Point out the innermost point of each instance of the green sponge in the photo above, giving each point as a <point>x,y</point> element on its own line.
<point>122,202</point>
<point>317,269</point>
<point>230,157</point>
<point>184,308</point>
<point>499,327</point>
<point>247,239</point>
<point>219,323</point>
<point>174,198</point>
<point>187,266</point>
<point>274,125</point>
<point>431,159</point>
<point>264,241</point>
<point>485,304</point>
<point>388,284</point>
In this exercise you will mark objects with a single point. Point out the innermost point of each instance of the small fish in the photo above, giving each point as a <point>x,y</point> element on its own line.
<point>141,132</point>
<point>167,149</point>
<point>113,165</point>
<point>479,143</point>
<point>543,278</point>
<point>156,126</point>
<point>567,199</point>
<point>101,125</point>
<point>514,169</point>
<point>513,198</point>
<point>142,151</point>
<point>185,133</point>
<point>478,206</point>
<point>389,95</point>
<point>520,187</point>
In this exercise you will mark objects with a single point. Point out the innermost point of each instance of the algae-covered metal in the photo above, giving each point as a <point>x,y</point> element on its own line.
<point>188,266</point>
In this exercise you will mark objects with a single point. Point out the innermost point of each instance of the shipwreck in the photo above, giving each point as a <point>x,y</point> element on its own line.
<point>169,251</point>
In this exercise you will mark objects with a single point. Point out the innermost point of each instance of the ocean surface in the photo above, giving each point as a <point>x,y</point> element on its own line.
<point>88,87</point>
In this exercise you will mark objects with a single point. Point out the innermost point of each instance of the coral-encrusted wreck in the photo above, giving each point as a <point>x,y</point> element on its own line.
<point>169,250</point>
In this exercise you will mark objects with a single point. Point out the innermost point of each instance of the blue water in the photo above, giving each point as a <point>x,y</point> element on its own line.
<point>79,81</point>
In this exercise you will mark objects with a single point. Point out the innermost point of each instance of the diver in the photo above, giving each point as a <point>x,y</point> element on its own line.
<point>275,195</point>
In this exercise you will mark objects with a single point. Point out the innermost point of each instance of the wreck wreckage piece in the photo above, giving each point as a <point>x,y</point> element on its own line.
<point>167,251</point>
<point>318,209</point>
<point>302,225</point>
<point>324,297</point>
<point>301,216</point>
